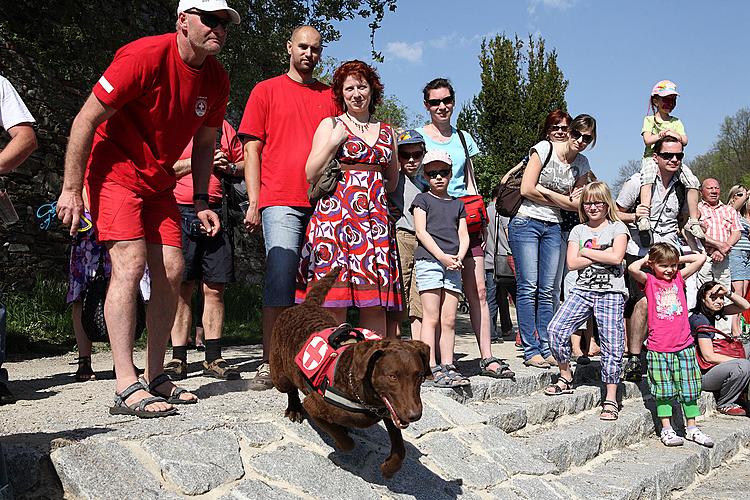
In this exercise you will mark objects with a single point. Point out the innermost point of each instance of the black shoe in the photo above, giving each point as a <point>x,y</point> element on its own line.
<point>633,370</point>
<point>6,397</point>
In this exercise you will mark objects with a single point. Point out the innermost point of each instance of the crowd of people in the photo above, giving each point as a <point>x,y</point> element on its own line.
<point>151,155</point>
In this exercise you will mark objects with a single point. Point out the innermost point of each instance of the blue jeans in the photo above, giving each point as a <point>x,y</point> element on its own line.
<point>283,233</point>
<point>490,285</point>
<point>536,250</point>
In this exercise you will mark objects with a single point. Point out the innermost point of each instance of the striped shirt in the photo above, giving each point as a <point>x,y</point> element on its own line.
<point>744,242</point>
<point>719,221</point>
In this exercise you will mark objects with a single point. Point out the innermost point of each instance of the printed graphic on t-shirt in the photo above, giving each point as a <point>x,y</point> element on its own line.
<point>596,276</point>
<point>668,303</point>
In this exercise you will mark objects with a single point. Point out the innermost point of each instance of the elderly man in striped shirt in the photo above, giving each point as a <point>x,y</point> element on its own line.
<point>722,226</point>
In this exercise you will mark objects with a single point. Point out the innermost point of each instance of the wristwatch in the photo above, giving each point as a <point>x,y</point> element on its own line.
<point>233,168</point>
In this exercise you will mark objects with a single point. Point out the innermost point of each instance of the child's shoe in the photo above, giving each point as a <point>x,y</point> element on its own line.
<point>670,438</point>
<point>694,226</point>
<point>644,224</point>
<point>696,435</point>
<point>644,231</point>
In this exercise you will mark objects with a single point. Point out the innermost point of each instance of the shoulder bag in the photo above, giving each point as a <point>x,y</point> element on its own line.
<point>504,268</point>
<point>326,183</point>
<point>476,212</point>
<point>509,195</point>
<point>722,343</point>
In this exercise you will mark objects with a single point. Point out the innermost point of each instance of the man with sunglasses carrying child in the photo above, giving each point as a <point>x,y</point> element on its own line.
<point>158,93</point>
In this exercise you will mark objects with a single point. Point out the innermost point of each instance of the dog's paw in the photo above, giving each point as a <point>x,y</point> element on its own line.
<point>390,467</point>
<point>345,444</point>
<point>294,415</point>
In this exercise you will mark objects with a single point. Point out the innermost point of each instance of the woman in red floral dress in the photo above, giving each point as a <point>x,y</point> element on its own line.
<point>350,227</point>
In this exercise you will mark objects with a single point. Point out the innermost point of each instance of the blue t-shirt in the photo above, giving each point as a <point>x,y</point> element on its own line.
<point>457,185</point>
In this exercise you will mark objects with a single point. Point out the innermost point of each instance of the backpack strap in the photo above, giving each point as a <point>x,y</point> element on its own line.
<point>469,165</point>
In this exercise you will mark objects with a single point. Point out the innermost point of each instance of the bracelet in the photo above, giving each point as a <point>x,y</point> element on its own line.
<point>200,197</point>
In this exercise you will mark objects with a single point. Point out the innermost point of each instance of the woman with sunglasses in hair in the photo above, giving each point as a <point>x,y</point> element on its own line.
<point>739,256</point>
<point>439,134</point>
<point>548,185</point>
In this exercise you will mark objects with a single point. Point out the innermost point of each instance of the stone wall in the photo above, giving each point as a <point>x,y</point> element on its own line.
<point>27,251</point>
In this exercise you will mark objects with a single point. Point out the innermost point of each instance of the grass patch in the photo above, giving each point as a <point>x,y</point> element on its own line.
<point>40,320</point>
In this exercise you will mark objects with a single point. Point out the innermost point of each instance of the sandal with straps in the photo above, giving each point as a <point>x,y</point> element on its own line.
<point>84,372</point>
<point>556,390</point>
<point>610,410</point>
<point>138,409</point>
<point>174,397</point>
<point>503,372</point>
<point>457,380</point>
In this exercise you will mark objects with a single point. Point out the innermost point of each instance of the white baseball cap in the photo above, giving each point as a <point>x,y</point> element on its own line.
<point>437,155</point>
<point>209,6</point>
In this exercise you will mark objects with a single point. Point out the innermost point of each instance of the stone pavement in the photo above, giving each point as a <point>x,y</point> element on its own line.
<point>497,439</point>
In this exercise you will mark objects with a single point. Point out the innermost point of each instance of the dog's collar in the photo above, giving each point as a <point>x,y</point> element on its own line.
<point>381,412</point>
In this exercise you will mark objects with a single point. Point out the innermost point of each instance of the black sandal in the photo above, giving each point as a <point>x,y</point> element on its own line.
<point>610,410</point>
<point>503,372</point>
<point>440,377</point>
<point>84,372</point>
<point>138,409</point>
<point>556,390</point>
<point>174,397</point>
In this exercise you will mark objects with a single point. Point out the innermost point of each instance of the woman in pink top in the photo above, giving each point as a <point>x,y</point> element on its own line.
<point>672,367</point>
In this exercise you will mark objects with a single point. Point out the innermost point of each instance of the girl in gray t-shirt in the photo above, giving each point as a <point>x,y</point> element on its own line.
<point>596,249</point>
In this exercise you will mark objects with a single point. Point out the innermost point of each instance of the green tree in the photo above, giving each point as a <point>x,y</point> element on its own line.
<point>728,160</point>
<point>521,83</point>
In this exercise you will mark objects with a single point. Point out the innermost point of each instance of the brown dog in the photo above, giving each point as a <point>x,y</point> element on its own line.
<point>384,376</point>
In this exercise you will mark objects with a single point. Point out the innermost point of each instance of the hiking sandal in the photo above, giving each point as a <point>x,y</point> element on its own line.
<point>503,372</point>
<point>174,397</point>
<point>138,409</point>
<point>556,390</point>
<point>220,369</point>
<point>441,378</point>
<point>84,372</point>
<point>176,369</point>
<point>610,410</point>
<point>457,380</point>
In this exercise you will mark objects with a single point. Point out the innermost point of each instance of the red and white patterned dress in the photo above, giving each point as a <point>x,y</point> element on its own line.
<point>350,228</point>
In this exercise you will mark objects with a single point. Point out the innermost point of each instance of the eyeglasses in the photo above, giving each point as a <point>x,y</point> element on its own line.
<point>210,20</point>
<point>406,155</point>
<point>669,156</point>
<point>432,174</point>
<point>445,100</point>
<point>558,128</point>
<point>594,204</point>
<point>586,138</point>
<point>739,194</point>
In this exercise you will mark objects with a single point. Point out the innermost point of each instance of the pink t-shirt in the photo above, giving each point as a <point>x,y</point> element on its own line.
<point>668,325</point>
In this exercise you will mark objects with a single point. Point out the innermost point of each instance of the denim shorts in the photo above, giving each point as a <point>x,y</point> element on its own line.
<point>283,233</point>
<point>432,275</point>
<point>739,264</point>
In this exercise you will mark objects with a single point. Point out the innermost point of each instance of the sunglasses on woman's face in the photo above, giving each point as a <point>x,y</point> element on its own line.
<point>433,174</point>
<point>445,100</point>
<point>408,155</point>
<point>576,135</point>
<point>558,128</point>
<point>669,156</point>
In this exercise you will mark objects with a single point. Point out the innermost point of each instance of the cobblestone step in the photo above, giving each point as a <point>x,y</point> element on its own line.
<point>644,470</point>
<point>722,483</point>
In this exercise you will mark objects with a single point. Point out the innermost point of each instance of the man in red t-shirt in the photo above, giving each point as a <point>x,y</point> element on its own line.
<point>158,93</point>
<point>280,119</point>
<point>209,260</point>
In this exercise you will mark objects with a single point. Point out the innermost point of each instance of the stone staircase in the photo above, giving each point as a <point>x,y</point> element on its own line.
<point>496,439</point>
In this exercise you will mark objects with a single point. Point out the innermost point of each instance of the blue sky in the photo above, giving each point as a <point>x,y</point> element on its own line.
<point>611,52</point>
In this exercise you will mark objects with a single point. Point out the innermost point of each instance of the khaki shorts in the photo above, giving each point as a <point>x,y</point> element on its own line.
<point>407,243</point>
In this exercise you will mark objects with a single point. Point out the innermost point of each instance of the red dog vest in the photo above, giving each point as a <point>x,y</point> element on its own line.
<point>319,356</point>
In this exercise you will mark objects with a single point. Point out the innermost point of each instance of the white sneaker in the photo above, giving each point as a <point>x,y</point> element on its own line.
<point>694,226</point>
<point>697,436</point>
<point>644,224</point>
<point>670,438</point>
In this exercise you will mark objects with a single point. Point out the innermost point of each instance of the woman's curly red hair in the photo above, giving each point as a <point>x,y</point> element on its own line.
<point>361,70</point>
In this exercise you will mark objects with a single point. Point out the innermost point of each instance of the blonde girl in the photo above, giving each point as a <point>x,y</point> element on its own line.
<point>596,249</point>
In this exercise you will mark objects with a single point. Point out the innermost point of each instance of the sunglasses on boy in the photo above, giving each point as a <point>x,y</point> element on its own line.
<point>408,155</point>
<point>433,174</point>
<point>210,20</point>
<point>445,100</point>
<point>669,156</point>
<point>586,138</point>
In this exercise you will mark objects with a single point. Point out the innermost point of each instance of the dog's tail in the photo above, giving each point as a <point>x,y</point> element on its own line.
<point>317,293</point>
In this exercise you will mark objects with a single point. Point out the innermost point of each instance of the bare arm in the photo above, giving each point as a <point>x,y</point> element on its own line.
<point>636,270</point>
<point>463,239</point>
<point>201,168</point>
<point>611,256</point>
<point>693,263</point>
<point>326,141</point>
<point>253,149</point>
<point>391,171</point>
<point>530,181</point>
<point>181,168</point>
<point>706,347</point>
<point>574,259</point>
<point>22,144</point>
<point>626,216</point>
<point>70,203</point>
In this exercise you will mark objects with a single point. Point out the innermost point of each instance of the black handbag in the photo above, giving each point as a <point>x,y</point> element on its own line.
<point>509,197</point>
<point>92,315</point>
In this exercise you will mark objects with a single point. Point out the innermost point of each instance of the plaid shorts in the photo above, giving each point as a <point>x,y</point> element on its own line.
<point>674,374</point>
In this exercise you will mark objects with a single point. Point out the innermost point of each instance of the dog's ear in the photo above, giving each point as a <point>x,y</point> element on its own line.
<point>424,354</point>
<point>364,359</point>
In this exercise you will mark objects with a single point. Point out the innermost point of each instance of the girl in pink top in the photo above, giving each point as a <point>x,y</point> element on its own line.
<point>672,368</point>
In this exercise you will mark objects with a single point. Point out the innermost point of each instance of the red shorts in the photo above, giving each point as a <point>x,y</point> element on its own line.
<point>120,214</point>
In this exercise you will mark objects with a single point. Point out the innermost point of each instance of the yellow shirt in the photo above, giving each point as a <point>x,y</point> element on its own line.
<point>651,125</point>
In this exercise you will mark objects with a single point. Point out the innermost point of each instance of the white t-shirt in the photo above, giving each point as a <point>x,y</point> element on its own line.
<point>556,176</point>
<point>12,109</point>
